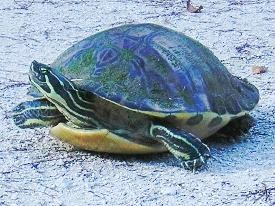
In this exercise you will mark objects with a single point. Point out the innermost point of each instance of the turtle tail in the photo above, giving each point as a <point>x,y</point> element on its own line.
<point>36,113</point>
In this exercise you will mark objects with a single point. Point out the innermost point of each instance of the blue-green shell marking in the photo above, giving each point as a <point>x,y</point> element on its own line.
<point>153,68</point>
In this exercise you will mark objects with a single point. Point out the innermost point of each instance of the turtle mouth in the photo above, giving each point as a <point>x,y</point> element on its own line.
<point>41,86</point>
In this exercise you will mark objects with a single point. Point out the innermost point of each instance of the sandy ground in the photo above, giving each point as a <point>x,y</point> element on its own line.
<point>37,169</point>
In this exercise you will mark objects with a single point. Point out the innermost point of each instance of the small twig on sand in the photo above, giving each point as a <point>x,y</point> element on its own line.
<point>18,84</point>
<point>26,4</point>
<point>264,192</point>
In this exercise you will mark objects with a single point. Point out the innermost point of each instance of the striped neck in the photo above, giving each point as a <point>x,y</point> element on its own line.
<point>64,95</point>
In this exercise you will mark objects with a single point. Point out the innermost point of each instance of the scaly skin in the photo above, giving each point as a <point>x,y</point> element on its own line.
<point>69,101</point>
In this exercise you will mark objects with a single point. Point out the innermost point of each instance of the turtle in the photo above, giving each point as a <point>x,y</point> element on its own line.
<point>136,89</point>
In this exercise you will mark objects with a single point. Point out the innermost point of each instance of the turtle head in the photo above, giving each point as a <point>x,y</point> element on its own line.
<point>39,76</point>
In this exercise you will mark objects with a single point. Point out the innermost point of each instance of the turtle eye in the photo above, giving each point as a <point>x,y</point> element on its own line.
<point>43,70</point>
<point>39,68</point>
<point>40,75</point>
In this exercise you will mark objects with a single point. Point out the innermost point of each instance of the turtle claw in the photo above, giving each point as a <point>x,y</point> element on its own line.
<point>185,165</point>
<point>195,164</point>
<point>202,160</point>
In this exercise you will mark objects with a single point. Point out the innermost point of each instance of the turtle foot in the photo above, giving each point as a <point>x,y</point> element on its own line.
<point>195,164</point>
<point>183,145</point>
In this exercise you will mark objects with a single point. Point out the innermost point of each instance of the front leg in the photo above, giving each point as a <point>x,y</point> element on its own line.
<point>36,113</point>
<point>183,145</point>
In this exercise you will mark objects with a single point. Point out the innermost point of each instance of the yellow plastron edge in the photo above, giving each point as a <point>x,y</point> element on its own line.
<point>100,140</point>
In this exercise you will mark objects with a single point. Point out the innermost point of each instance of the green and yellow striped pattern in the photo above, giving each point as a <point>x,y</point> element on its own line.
<point>36,113</point>
<point>67,99</point>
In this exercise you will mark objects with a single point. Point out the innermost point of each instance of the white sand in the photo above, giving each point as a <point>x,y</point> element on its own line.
<point>37,169</point>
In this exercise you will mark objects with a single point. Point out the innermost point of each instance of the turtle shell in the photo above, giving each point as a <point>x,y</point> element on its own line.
<point>147,67</point>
